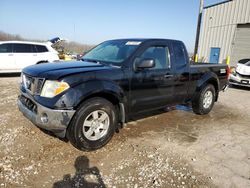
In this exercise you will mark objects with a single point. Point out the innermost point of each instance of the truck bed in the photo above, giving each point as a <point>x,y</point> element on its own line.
<point>201,69</point>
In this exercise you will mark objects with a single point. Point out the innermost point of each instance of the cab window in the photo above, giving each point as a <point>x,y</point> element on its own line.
<point>6,48</point>
<point>160,55</point>
<point>41,48</point>
<point>180,56</point>
<point>22,48</point>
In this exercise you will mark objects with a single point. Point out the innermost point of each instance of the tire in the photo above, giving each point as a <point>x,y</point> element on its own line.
<point>93,125</point>
<point>204,100</point>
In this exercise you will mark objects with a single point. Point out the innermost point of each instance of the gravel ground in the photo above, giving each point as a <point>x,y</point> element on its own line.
<point>169,149</point>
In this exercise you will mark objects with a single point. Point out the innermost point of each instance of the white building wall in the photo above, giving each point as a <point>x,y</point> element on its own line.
<point>219,25</point>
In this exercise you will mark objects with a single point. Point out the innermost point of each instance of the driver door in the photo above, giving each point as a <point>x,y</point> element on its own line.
<point>152,88</point>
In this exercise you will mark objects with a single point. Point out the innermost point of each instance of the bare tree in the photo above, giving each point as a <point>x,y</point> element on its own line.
<point>67,47</point>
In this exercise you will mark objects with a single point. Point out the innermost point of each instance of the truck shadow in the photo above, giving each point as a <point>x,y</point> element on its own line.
<point>144,115</point>
<point>5,75</point>
<point>53,135</point>
<point>85,176</point>
<point>239,87</point>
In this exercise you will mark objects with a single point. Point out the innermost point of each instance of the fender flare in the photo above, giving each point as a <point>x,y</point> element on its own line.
<point>209,78</point>
<point>96,88</point>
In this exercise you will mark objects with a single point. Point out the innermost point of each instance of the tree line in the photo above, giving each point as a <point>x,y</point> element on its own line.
<point>65,46</point>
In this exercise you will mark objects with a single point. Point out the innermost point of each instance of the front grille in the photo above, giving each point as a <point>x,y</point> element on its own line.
<point>32,85</point>
<point>28,103</point>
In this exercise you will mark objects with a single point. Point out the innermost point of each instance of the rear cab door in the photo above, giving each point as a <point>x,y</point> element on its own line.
<point>181,72</point>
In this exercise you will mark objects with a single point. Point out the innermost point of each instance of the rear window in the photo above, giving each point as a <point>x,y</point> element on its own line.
<point>6,48</point>
<point>247,63</point>
<point>179,54</point>
<point>22,48</point>
<point>41,48</point>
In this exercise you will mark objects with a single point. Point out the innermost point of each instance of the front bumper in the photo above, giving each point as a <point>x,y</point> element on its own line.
<point>52,120</point>
<point>238,80</point>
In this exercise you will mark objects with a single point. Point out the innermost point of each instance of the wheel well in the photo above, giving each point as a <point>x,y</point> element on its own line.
<point>111,98</point>
<point>216,87</point>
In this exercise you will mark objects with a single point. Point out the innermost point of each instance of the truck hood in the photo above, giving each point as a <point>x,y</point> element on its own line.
<point>243,69</point>
<point>57,70</point>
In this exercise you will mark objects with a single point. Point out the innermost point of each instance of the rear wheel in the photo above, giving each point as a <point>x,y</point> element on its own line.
<point>204,100</point>
<point>93,125</point>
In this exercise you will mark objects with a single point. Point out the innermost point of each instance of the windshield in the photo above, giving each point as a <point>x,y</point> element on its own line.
<point>244,61</point>
<point>247,63</point>
<point>112,52</point>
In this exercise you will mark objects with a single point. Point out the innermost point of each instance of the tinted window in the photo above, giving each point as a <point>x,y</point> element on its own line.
<point>244,61</point>
<point>41,48</point>
<point>160,55</point>
<point>179,54</point>
<point>22,48</point>
<point>6,48</point>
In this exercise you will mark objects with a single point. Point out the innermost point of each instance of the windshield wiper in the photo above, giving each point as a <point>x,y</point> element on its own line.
<point>92,60</point>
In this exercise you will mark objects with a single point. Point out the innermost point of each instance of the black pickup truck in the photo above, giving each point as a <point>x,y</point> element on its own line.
<point>88,100</point>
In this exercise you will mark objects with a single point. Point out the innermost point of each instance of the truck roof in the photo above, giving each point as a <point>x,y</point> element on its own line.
<point>148,39</point>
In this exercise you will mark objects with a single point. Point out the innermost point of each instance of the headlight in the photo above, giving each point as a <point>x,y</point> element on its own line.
<point>53,88</point>
<point>21,78</point>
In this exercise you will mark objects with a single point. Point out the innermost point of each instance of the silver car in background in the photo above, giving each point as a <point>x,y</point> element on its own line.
<point>241,74</point>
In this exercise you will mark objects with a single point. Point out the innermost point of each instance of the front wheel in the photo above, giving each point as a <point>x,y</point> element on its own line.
<point>93,124</point>
<point>204,100</point>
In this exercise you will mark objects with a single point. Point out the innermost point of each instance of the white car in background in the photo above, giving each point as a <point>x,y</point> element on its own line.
<point>15,55</point>
<point>241,74</point>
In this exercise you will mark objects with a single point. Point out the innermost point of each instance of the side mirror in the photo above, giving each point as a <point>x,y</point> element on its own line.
<point>145,64</point>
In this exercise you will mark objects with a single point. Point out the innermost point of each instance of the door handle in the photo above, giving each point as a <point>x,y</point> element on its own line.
<point>10,54</point>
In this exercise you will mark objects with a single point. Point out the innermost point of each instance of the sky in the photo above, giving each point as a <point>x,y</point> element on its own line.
<point>94,21</point>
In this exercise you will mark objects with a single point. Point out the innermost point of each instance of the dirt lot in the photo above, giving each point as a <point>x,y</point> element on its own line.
<point>173,149</point>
